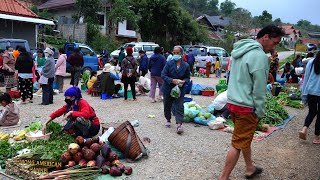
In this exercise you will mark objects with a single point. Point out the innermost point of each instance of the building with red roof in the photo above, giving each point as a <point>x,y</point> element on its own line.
<point>17,21</point>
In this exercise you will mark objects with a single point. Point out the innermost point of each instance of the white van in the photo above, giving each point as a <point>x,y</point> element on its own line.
<point>148,47</point>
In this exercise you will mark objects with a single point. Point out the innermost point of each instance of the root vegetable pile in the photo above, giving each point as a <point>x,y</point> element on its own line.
<point>92,154</point>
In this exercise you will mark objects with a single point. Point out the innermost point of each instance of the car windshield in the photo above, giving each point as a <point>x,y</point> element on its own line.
<point>199,51</point>
<point>3,45</point>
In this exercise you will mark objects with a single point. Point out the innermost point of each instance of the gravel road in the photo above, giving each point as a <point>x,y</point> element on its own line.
<point>200,152</point>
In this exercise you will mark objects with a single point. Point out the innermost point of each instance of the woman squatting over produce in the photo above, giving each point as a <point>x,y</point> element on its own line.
<point>311,94</point>
<point>175,72</point>
<point>80,116</point>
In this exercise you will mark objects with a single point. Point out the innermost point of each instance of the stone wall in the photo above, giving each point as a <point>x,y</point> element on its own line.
<point>79,31</point>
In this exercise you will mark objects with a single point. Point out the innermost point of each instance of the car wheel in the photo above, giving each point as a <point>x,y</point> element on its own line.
<point>87,69</point>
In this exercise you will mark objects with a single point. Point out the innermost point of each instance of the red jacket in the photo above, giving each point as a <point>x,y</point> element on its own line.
<point>84,111</point>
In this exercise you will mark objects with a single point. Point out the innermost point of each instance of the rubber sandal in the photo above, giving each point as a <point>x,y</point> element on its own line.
<point>168,124</point>
<point>179,130</point>
<point>153,101</point>
<point>302,135</point>
<point>316,140</point>
<point>256,172</point>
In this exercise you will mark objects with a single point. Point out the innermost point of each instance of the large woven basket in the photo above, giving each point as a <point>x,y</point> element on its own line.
<point>127,141</point>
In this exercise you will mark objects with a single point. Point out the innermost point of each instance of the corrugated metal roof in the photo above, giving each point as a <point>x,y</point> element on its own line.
<point>56,4</point>
<point>14,7</point>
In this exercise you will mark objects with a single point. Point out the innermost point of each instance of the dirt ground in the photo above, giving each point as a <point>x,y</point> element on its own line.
<point>200,152</point>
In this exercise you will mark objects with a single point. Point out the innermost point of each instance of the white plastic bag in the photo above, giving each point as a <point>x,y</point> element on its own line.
<point>106,134</point>
<point>214,125</point>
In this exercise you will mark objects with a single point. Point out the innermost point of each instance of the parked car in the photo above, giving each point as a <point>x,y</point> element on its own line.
<point>200,53</point>
<point>148,47</point>
<point>185,47</point>
<point>14,43</point>
<point>311,47</point>
<point>89,56</point>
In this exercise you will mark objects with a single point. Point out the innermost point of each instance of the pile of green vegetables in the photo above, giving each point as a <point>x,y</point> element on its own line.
<point>275,113</point>
<point>285,100</point>
<point>50,149</point>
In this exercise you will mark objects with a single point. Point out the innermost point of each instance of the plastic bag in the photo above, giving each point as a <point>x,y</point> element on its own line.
<point>187,119</point>
<point>211,108</point>
<point>214,125</point>
<point>201,121</point>
<point>175,92</point>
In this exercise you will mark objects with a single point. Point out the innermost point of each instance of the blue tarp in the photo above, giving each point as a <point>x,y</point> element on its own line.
<point>286,122</point>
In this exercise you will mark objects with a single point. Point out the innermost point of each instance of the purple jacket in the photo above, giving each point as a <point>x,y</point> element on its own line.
<point>156,64</point>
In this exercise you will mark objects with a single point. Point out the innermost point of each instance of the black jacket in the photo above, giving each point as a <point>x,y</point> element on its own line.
<point>24,63</point>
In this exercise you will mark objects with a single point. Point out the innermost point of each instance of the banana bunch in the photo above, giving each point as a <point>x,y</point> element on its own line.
<point>4,136</point>
<point>19,135</point>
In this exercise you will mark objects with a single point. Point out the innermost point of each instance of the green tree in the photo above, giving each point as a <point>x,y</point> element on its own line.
<point>265,18</point>
<point>241,20</point>
<point>166,23</point>
<point>304,23</point>
<point>212,8</point>
<point>227,7</point>
<point>277,22</point>
<point>89,9</point>
<point>123,10</point>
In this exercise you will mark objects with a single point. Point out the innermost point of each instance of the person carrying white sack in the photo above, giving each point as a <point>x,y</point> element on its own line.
<point>220,105</point>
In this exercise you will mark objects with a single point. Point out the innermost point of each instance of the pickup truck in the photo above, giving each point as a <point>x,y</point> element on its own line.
<point>14,43</point>
<point>91,59</point>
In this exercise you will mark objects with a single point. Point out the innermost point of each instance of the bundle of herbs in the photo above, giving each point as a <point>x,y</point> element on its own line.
<point>275,113</point>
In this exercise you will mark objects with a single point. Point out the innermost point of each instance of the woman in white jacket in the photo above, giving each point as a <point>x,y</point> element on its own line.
<point>60,68</point>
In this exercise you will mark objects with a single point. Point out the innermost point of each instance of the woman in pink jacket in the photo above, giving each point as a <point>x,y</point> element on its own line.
<point>61,69</point>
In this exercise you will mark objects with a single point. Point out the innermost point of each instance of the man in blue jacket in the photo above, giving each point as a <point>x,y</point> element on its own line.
<point>143,68</point>
<point>191,60</point>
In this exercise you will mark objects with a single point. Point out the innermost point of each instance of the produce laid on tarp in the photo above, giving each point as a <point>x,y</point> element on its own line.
<point>291,100</point>
<point>60,157</point>
<point>275,116</point>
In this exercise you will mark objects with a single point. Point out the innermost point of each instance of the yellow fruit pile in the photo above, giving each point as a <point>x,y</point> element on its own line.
<point>4,136</point>
<point>18,135</point>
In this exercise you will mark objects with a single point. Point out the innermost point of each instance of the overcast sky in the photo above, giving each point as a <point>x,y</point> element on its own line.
<point>288,10</point>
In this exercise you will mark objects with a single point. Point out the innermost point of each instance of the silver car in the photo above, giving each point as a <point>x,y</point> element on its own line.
<point>200,53</point>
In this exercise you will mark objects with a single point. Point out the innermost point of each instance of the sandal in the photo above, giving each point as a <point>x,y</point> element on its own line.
<point>302,135</point>
<point>168,124</point>
<point>153,101</point>
<point>256,172</point>
<point>316,140</point>
<point>179,130</point>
